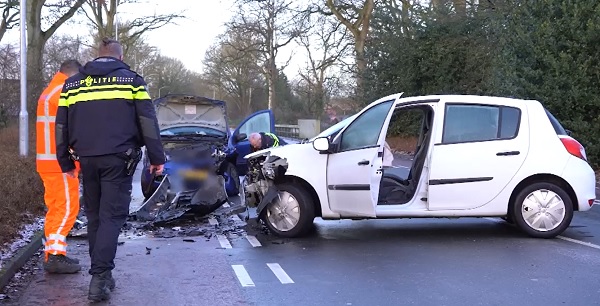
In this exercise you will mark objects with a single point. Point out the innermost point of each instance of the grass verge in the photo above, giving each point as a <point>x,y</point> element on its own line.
<point>21,188</point>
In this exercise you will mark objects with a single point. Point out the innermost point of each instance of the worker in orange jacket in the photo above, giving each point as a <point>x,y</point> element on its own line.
<point>61,190</point>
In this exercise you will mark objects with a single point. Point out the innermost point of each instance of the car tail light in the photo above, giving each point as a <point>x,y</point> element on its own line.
<point>591,202</point>
<point>573,147</point>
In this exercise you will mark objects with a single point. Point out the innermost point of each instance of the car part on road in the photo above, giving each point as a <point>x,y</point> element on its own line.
<point>542,210</point>
<point>169,202</point>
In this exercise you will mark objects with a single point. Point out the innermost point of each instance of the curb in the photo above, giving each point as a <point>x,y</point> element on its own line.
<point>20,259</point>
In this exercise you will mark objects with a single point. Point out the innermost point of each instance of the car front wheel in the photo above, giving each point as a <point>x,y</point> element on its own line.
<point>543,210</point>
<point>291,213</point>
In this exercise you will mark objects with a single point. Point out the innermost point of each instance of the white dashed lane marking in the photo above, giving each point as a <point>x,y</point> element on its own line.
<point>588,244</point>
<point>224,242</point>
<point>283,277</point>
<point>242,276</point>
<point>213,221</point>
<point>253,241</point>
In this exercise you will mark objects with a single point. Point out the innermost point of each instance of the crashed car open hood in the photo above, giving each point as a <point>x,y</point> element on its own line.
<point>174,110</point>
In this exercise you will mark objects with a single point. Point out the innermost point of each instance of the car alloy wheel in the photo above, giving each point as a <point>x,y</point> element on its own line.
<point>543,210</point>
<point>284,212</point>
<point>291,213</point>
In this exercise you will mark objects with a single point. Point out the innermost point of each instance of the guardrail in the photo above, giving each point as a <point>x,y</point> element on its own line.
<point>287,130</point>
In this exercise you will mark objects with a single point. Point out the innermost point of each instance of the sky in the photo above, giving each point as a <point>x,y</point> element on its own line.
<point>186,39</point>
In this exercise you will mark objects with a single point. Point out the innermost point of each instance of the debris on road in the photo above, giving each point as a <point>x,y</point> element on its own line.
<point>189,240</point>
<point>148,250</point>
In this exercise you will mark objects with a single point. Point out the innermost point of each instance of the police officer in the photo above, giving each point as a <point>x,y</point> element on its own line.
<point>105,114</point>
<point>261,141</point>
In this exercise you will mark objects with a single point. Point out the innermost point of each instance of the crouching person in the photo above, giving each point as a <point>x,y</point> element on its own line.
<point>261,141</point>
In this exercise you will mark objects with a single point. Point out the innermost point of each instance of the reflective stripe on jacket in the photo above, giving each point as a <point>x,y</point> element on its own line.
<point>47,105</point>
<point>275,139</point>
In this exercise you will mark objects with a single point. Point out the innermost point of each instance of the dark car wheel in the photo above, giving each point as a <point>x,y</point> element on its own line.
<point>291,214</point>
<point>542,210</point>
<point>233,182</point>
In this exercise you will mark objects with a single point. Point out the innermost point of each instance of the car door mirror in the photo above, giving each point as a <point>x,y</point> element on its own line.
<point>321,144</point>
<point>240,137</point>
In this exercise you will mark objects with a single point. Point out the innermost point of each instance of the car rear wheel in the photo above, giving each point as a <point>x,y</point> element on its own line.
<point>542,210</point>
<point>291,213</point>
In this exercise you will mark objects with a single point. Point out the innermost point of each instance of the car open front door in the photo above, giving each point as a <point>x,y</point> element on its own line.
<point>261,121</point>
<point>354,168</point>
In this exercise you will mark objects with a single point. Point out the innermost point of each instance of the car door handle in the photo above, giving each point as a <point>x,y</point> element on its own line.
<point>508,153</point>
<point>363,162</point>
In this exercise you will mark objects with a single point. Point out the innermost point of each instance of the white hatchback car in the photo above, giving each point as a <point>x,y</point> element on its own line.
<point>475,156</point>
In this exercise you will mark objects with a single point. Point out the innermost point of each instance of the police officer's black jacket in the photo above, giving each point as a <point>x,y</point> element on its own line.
<point>105,109</point>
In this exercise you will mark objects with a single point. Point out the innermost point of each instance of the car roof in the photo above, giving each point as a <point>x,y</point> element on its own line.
<point>468,99</point>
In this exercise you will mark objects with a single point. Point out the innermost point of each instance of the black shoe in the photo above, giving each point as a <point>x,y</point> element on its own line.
<point>111,281</point>
<point>72,260</point>
<point>60,264</point>
<point>99,287</point>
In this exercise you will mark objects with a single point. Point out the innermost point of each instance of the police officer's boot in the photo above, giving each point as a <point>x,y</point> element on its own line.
<point>60,264</point>
<point>100,287</point>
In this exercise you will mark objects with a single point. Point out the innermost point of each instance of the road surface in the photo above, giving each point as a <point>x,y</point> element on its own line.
<point>371,262</point>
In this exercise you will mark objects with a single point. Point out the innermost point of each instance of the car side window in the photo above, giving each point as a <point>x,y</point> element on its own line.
<point>364,131</point>
<point>472,123</point>
<point>258,123</point>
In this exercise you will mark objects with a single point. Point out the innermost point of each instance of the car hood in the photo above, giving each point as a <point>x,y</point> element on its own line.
<point>282,150</point>
<point>176,110</point>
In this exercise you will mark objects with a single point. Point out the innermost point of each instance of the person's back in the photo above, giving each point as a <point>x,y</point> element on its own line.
<point>100,103</point>
<point>106,115</point>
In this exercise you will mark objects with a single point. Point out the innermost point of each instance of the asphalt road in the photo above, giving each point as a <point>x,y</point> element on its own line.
<point>370,262</point>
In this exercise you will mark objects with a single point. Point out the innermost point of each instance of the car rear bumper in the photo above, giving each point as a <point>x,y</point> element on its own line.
<point>582,179</point>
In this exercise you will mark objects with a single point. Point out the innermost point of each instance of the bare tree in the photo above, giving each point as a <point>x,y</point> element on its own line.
<point>325,44</point>
<point>57,13</point>
<point>102,18</point>
<point>61,48</point>
<point>356,16</point>
<point>235,72</point>
<point>10,15</point>
<point>273,24</point>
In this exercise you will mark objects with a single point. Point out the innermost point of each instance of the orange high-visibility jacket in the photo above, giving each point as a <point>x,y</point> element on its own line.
<point>46,116</point>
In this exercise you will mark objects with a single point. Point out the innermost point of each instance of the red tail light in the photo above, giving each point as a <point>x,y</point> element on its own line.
<point>573,146</point>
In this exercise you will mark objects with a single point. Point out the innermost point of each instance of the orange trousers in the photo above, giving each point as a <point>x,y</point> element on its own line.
<point>61,195</point>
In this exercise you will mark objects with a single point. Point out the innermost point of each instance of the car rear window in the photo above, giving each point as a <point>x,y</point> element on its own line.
<point>558,128</point>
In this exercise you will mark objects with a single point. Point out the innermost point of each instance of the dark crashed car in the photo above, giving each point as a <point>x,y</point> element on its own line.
<point>202,166</point>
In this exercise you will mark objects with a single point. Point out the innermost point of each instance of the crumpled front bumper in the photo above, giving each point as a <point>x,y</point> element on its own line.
<point>164,205</point>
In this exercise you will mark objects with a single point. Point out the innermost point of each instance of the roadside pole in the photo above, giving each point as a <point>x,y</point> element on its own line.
<point>23,116</point>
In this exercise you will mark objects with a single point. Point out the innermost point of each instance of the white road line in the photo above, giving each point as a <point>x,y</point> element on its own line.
<point>213,221</point>
<point>281,275</point>
<point>591,245</point>
<point>242,276</point>
<point>253,241</point>
<point>226,205</point>
<point>224,242</point>
<point>588,244</point>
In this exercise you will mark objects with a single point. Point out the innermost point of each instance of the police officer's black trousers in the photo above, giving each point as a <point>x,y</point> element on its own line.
<point>107,195</point>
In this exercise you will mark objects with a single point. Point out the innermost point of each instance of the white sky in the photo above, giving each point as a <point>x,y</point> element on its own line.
<point>189,38</point>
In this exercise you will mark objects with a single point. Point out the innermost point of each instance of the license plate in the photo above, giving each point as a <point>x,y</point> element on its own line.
<point>195,174</point>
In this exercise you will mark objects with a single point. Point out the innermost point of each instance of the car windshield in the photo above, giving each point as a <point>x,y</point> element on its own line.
<point>335,128</point>
<point>191,131</point>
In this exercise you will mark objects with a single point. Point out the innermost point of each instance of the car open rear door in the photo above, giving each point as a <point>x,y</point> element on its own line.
<point>261,121</point>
